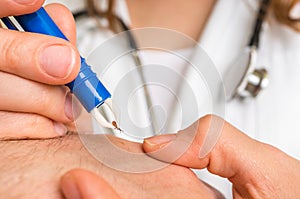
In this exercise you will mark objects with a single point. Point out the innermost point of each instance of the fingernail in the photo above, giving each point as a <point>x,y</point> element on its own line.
<point>57,60</point>
<point>60,128</point>
<point>69,187</point>
<point>68,106</point>
<point>160,139</point>
<point>73,108</point>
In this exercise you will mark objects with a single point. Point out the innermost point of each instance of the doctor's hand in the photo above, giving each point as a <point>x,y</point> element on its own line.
<point>256,170</point>
<point>32,66</point>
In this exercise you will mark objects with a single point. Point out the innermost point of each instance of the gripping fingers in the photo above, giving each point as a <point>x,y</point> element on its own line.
<point>25,125</point>
<point>22,95</point>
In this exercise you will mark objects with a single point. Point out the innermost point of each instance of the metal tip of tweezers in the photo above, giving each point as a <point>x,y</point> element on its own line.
<point>102,120</point>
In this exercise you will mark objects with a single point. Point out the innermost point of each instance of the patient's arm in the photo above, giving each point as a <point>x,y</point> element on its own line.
<point>33,168</point>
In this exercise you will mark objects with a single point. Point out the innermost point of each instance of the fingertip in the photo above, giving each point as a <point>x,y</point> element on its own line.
<point>182,148</point>
<point>79,183</point>
<point>69,187</point>
<point>148,146</point>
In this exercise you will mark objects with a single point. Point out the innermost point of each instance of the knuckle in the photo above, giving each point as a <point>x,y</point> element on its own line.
<point>209,117</point>
<point>14,53</point>
<point>211,121</point>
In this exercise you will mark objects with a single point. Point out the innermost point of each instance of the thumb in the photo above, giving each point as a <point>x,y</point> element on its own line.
<point>83,184</point>
<point>189,146</point>
<point>254,168</point>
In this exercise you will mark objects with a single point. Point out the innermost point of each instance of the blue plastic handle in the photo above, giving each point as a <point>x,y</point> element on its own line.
<point>86,87</point>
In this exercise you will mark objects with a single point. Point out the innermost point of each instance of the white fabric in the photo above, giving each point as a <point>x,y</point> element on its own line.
<point>273,116</point>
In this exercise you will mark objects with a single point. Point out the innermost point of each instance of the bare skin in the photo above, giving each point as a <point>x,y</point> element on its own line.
<point>41,105</point>
<point>36,166</point>
<point>256,170</point>
<point>188,18</point>
<point>33,168</point>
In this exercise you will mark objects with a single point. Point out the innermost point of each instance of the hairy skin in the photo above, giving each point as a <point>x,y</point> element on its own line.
<point>33,168</point>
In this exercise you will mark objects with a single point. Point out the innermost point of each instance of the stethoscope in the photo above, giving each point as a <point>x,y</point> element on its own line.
<point>243,79</point>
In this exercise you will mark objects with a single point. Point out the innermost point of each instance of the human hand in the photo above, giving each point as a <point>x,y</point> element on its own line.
<point>33,169</point>
<point>32,66</point>
<point>256,170</point>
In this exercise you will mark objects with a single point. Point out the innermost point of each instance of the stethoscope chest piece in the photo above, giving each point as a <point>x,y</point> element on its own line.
<point>254,80</point>
<point>255,83</point>
<point>244,79</point>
